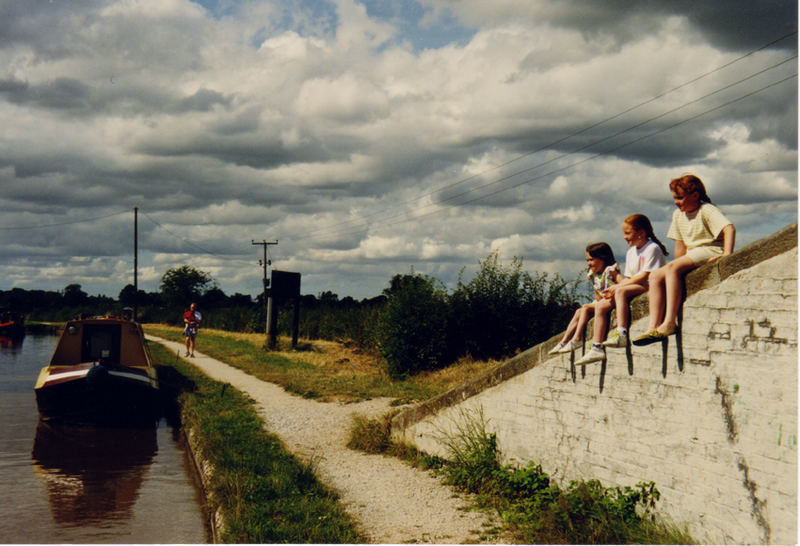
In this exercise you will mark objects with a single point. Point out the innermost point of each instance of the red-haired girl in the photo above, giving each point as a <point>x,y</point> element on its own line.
<point>702,235</point>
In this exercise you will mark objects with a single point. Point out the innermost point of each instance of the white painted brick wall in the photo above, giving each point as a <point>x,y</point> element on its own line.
<point>719,438</point>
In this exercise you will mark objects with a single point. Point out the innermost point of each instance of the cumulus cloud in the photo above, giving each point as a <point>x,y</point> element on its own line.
<point>368,139</point>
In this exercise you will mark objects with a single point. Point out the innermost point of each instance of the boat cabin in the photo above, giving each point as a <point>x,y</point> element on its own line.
<point>109,341</point>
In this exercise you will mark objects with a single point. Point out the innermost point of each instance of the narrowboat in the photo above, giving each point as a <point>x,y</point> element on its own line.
<point>12,324</point>
<point>101,372</point>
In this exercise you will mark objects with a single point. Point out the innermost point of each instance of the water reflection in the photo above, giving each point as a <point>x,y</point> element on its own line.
<point>11,345</point>
<point>92,474</point>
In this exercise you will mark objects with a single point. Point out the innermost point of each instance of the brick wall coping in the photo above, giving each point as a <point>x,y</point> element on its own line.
<point>702,278</point>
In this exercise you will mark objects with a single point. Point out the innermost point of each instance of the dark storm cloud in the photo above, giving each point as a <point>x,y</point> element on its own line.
<point>59,94</point>
<point>70,94</point>
<point>252,151</point>
<point>24,22</point>
<point>203,100</point>
<point>735,25</point>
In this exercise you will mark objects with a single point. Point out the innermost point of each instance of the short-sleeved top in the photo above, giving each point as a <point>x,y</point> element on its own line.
<point>604,279</point>
<point>192,316</point>
<point>648,258</point>
<point>704,228</point>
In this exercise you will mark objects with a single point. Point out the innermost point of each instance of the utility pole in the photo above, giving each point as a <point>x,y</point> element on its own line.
<point>135,261</point>
<point>270,327</point>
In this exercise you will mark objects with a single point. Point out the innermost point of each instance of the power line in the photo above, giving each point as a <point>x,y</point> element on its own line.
<point>621,146</point>
<point>560,140</point>
<point>60,224</point>
<point>443,203</point>
<point>195,245</point>
<point>551,160</point>
<point>623,131</point>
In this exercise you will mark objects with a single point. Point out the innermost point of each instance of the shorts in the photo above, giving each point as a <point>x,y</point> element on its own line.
<point>701,254</point>
<point>191,331</point>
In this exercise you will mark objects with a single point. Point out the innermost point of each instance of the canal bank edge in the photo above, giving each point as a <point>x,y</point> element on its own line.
<point>204,471</point>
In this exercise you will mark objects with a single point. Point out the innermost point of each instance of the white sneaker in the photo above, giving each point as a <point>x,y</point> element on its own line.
<point>556,349</point>
<point>570,346</point>
<point>594,355</point>
<point>616,339</point>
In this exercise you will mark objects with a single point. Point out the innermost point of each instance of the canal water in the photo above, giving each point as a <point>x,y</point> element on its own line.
<point>61,484</point>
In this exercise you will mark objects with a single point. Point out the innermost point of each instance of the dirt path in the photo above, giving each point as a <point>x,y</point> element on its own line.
<point>392,502</point>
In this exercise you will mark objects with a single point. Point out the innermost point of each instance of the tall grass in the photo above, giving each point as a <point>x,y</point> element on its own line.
<point>537,510</point>
<point>320,369</point>
<point>266,495</point>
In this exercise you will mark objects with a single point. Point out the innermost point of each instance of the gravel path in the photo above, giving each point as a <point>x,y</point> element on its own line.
<point>393,502</point>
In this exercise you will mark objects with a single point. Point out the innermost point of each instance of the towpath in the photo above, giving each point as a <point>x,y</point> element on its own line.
<point>393,502</point>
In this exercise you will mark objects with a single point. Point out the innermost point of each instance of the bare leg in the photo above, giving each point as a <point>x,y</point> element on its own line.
<point>656,295</point>
<point>586,311</point>
<point>602,309</point>
<point>621,297</point>
<point>571,326</point>
<point>673,280</point>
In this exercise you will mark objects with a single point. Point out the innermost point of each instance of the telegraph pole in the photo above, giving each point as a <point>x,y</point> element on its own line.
<point>270,331</point>
<point>135,261</point>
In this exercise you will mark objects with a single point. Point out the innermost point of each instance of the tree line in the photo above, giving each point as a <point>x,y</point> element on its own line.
<point>416,323</point>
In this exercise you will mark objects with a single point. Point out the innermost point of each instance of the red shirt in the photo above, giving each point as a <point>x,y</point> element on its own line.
<point>189,317</point>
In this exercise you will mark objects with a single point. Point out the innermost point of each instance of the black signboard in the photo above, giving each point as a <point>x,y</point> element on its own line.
<point>285,285</point>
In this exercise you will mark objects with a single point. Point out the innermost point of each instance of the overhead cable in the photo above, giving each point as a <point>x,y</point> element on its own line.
<point>594,143</point>
<point>67,223</point>
<point>565,138</point>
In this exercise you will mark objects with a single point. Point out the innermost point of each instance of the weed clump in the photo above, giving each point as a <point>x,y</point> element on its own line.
<point>534,508</point>
<point>369,435</point>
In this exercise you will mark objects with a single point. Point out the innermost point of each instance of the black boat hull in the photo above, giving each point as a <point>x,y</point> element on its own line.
<point>99,396</point>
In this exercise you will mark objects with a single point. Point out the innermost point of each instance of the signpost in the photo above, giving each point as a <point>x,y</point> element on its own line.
<point>285,287</point>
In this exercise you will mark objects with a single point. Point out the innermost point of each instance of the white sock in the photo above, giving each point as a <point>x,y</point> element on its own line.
<point>622,330</point>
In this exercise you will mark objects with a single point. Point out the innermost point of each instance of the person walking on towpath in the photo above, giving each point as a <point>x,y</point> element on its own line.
<point>191,320</point>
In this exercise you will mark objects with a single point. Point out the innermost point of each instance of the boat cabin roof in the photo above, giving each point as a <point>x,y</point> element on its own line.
<point>109,340</point>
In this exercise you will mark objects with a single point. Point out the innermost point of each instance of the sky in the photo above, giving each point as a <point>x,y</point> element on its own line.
<point>375,138</point>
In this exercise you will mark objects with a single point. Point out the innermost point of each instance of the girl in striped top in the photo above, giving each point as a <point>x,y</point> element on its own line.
<point>702,235</point>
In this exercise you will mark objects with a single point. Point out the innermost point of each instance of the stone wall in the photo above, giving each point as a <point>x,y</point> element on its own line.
<point>711,417</point>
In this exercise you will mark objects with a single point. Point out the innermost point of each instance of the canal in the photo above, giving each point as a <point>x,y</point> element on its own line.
<point>64,484</point>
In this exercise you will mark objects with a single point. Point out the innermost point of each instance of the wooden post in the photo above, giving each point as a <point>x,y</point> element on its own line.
<point>270,323</point>
<point>296,321</point>
<point>135,262</point>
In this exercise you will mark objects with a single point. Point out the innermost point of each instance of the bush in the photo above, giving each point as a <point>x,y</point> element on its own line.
<point>336,320</point>
<point>504,309</point>
<point>412,324</point>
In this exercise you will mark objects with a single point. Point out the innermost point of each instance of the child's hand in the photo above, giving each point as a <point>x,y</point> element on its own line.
<point>608,293</point>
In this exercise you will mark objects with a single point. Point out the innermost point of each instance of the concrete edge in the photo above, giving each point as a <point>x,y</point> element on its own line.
<point>203,469</point>
<point>204,472</point>
<point>702,278</point>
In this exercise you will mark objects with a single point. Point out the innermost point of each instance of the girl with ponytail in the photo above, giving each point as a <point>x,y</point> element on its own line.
<point>645,254</point>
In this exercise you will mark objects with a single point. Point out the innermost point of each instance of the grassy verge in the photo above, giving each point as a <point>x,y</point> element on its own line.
<point>534,509</point>
<point>266,495</point>
<point>321,369</point>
